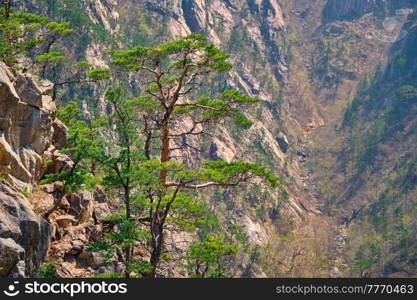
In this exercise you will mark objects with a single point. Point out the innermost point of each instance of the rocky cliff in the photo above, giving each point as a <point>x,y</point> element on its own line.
<point>27,135</point>
<point>36,221</point>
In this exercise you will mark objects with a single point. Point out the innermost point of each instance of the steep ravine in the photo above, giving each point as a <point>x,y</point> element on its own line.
<point>340,51</point>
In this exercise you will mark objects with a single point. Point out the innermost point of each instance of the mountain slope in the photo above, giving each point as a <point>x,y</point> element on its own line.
<point>336,122</point>
<point>357,81</point>
<point>255,35</point>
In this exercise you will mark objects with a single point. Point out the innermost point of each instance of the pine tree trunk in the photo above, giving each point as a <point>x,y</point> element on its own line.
<point>156,252</point>
<point>165,150</point>
<point>6,5</point>
<point>129,248</point>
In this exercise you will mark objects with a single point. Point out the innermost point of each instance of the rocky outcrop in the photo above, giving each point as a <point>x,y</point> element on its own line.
<point>38,222</point>
<point>26,128</point>
<point>25,134</point>
<point>10,254</point>
<point>28,132</point>
<point>82,204</point>
<point>76,226</point>
<point>29,233</point>
<point>272,25</point>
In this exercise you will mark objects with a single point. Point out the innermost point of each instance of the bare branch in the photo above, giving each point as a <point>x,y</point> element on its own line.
<point>204,107</point>
<point>205,185</point>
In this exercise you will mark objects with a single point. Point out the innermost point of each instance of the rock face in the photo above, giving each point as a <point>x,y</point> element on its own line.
<point>63,224</point>
<point>257,26</point>
<point>26,130</point>
<point>18,222</point>
<point>10,254</point>
<point>82,204</point>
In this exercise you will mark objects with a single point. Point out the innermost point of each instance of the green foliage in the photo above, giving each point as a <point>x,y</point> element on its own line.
<point>69,10</point>
<point>99,74</point>
<point>186,210</point>
<point>83,65</point>
<point>124,238</point>
<point>63,28</point>
<point>25,192</point>
<point>47,270</point>
<point>352,109</point>
<point>224,172</point>
<point>54,56</point>
<point>390,225</point>
<point>211,57</point>
<point>140,268</point>
<point>209,258</point>
<point>61,73</point>
<point>81,146</point>
<point>407,93</point>
<point>363,264</point>
<point>32,35</point>
<point>22,31</point>
<point>382,135</point>
<point>18,34</point>
<point>69,114</point>
<point>127,234</point>
<point>109,275</point>
<point>124,150</point>
<point>238,236</point>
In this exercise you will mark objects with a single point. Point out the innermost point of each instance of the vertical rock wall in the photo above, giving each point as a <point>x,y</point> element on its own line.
<point>27,128</point>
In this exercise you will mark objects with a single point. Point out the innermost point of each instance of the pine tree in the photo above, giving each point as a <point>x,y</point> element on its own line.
<point>150,131</point>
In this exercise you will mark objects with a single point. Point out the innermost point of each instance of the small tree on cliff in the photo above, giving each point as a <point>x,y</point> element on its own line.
<point>169,115</point>
<point>209,258</point>
<point>20,32</point>
<point>23,33</point>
